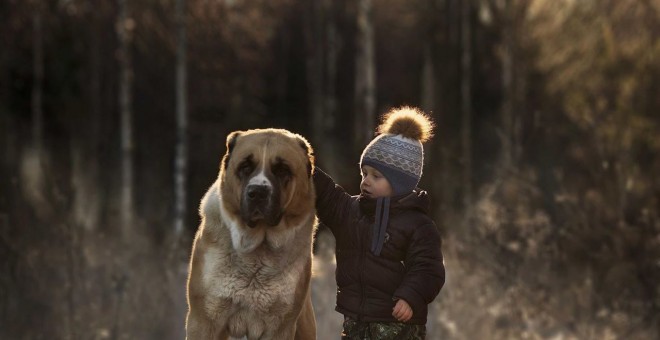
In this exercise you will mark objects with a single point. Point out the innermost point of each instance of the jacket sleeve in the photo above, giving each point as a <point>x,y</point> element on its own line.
<point>332,202</point>
<point>425,270</point>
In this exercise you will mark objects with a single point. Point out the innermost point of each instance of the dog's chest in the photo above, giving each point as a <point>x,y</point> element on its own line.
<point>255,281</point>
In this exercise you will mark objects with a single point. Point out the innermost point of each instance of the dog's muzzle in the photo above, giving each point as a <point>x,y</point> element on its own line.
<point>260,203</point>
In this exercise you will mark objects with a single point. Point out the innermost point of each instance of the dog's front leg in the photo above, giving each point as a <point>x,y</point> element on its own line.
<point>200,327</point>
<point>286,332</point>
<point>306,323</point>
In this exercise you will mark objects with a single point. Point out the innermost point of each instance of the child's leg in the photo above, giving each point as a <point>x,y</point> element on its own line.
<point>396,331</point>
<point>353,330</point>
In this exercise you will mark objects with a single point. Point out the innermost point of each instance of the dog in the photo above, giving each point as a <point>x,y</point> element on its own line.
<point>250,268</point>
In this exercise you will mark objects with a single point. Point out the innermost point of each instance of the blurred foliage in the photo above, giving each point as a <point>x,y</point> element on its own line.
<point>571,235</point>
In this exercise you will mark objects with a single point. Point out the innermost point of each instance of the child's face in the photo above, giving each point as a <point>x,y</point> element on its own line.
<point>374,184</point>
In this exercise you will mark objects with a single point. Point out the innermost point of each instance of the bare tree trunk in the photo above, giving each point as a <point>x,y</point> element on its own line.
<point>466,103</point>
<point>95,80</point>
<point>314,66</point>
<point>520,107</point>
<point>181,161</point>
<point>37,85</point>
<point>518,12</point>
<point>96,114</point>
<point>34,161</point>
<point>507,87</point>
<point>84,152</point>
<point>321,46</point>
<point>454,22</point>
<point>125,27</point>
<point>333,41</point>
<point>330,97</point>
<point>331,62</point>
<point>428,80</point>
<point>448,106</point>
<point>365,76</point>
<point>435,156</point>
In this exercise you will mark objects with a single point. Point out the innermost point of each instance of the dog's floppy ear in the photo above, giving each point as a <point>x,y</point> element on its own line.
<point>304,144</point>
<point>232,138</point>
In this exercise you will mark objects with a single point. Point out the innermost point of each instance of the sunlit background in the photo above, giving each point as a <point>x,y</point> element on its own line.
<point>544,170</point>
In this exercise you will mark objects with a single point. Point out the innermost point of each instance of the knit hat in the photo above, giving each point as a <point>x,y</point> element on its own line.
<point>397,152</point>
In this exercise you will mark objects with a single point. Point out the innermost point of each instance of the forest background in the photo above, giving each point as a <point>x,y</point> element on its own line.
<point>543,171</point>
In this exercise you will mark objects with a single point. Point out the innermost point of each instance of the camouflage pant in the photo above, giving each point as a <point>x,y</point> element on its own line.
<point>358,330</point>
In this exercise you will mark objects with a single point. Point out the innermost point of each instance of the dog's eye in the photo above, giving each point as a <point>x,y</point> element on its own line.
<point>245,169</point>
<point>282,171</point>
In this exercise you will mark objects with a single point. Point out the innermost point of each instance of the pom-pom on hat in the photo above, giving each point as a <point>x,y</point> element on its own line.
<point>397,152</point>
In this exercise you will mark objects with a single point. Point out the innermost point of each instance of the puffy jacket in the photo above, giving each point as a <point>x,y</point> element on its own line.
<point>409,266</point>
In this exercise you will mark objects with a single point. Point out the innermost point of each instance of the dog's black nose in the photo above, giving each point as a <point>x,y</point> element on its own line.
<point>258,192</point>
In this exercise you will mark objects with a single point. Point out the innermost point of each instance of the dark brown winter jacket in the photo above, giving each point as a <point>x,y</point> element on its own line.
<point>408,267</point>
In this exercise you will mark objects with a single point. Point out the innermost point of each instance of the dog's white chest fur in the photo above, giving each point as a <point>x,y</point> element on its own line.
<point>254,280</point>
<point>250,291</point>
<point>248,274</point>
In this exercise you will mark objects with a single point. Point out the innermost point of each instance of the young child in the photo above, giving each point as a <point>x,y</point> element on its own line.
<point>389,263</point>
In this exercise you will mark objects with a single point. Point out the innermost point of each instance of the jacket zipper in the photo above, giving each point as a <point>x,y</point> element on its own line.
<point>360,268</point>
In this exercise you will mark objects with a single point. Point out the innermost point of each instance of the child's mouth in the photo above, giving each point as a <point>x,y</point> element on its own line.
<point>366,192</point>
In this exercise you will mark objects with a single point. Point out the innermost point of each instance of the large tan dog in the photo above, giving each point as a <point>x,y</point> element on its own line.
<point>251,260</point>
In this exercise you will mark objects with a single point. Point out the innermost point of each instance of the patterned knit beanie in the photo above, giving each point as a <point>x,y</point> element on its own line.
<point>397,152</point>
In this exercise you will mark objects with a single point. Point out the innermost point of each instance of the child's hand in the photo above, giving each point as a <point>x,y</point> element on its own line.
<point>402,311</point>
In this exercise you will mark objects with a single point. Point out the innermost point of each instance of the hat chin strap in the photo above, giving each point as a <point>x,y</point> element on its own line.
<point>380,224</point>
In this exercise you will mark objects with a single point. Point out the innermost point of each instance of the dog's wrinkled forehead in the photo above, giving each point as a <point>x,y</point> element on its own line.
<point>265,151</point>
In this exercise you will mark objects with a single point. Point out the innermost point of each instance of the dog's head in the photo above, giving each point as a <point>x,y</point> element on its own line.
<point>266,176</point>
